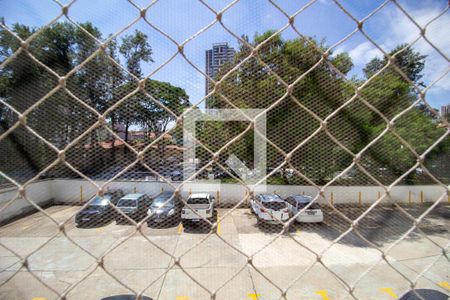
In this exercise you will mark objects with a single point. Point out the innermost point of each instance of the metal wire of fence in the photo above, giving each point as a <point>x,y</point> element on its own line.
<point>99,119</point>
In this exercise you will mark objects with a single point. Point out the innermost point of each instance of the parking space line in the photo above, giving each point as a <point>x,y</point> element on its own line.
<point>445,285</point>
<point>390,292</point>
<point>218,224</point>
<point>323,294</point>
<point>180,228</point>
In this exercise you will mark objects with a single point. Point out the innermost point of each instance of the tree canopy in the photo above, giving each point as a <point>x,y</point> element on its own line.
<point>321,91</point>
<point>97,80</point>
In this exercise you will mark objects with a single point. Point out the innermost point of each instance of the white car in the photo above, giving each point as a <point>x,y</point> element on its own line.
<point>313,214</point>
<point>269,208</point>
<point>202,204</point>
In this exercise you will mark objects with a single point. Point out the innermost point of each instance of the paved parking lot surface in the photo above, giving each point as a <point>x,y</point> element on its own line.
<point>141,261</point>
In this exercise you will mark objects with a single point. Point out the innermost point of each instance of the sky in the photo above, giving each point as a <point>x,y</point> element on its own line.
<point>182,19</point>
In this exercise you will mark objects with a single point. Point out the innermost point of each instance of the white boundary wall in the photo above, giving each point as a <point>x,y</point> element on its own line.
<point>72,191</point>
<point>39,192</point>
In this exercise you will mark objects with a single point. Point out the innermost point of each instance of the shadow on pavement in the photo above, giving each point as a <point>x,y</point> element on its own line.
<point>163,224</point>
<point>95,224</point>
<point>383,224</point>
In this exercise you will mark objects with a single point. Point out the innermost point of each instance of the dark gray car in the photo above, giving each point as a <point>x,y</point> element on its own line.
<point>99,209</point>
<point>165,208</point>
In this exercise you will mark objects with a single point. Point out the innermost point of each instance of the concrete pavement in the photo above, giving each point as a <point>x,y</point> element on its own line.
<point>139,264</point>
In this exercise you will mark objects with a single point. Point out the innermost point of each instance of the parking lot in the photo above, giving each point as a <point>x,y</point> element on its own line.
<point>140,260</point>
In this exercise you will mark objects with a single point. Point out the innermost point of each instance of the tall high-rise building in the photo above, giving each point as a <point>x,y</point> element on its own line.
<point>214,59</point>
<point>445,110</point>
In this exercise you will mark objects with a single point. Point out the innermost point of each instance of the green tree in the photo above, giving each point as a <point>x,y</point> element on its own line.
<point>97,81</point>
<point>322,91</point>
<point>135,50</point>
<point>391,94</point>
<point>155,117</point>
<point>408,60</point>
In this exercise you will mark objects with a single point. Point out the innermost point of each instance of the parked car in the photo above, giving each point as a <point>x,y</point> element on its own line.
<point>269,208</point>
<point>203,204</point>
<point>176,175</point>
<point>99,208</point>
<point>225,175</point>
<point>134,206</point>
<point>166,207</point>
<point>313,214</point>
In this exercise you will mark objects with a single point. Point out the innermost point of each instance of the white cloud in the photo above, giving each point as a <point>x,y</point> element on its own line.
<point>398,29</point>
<point>363,53</point>
<point>438,33</point>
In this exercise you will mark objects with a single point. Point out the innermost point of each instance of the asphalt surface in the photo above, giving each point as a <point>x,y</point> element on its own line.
<point>142,260</point>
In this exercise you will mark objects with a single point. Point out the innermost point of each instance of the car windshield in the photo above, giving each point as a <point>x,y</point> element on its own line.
<point>100,201</point>
<point>198,201</point>
<point>127,203</point>
<point>312,206</point>
<point>159,201</point>
<point>275,205</point>
<point>269,197</point>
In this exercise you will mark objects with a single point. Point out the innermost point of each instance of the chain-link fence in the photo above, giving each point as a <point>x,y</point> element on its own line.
<point>141,157</point>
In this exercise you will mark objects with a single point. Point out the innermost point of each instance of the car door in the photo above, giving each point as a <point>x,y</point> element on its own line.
<point>147,202</point>
<point>300,206</point>
<point>252,204</point>
<point>142,205</point>
<point>257,205</point>
<point>292,204</point>
<point>179,204</point>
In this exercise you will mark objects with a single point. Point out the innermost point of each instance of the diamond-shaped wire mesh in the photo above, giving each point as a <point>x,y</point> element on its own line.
<point>100,198</point>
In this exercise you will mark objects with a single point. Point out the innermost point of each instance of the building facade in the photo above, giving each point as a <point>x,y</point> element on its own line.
<point>445,110</point>
<point>216,57</point>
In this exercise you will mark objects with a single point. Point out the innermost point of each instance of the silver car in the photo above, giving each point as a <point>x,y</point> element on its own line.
<point>166,207</point>
<point>134,206</point>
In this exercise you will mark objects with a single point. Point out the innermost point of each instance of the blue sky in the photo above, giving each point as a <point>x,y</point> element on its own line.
<point>323,20</point>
